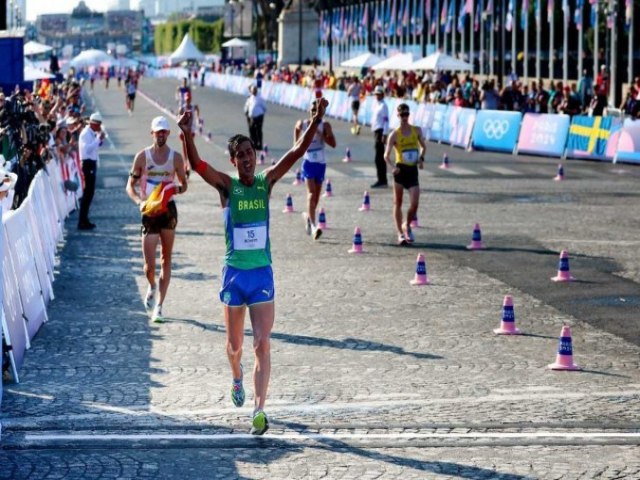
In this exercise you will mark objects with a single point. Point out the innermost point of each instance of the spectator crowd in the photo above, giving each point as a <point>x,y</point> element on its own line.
<point>587,96</point>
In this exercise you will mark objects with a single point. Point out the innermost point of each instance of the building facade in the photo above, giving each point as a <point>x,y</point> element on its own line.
<point>125,30</point>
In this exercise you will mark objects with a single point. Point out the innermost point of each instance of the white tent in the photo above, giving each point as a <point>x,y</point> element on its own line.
<point>399,61</point>
<point>34,48</point>
<point>91,58</point>
<point>31,73</point>
<point>440,61</point>
<point>236,42</point>
<point>365,60</point>
<point>186,51</point>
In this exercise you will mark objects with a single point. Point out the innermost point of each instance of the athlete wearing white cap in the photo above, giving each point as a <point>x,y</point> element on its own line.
<point>154,171</point>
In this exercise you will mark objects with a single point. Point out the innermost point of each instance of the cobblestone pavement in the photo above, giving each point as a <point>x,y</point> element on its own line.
<point>372,377</point>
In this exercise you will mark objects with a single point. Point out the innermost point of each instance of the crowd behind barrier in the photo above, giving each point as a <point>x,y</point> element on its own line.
<point>555,135</point>
<point>39,134</point>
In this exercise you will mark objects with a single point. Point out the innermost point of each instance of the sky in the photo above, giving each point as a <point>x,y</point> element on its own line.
<point>38,7</point>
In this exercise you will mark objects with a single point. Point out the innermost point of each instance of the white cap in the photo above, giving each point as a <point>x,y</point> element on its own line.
<point>95,118</point>
<point>8,180</point>
<point>159,123</point>
<point>378,90</point>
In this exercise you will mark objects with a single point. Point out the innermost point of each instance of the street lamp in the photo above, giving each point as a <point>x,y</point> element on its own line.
<point>272,31</point>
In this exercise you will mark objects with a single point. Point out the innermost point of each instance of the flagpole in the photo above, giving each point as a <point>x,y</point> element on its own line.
<point>596,41</point>
<point>462,34</point>
<point>514,27</point>
<point>437,19</point>
<point>580,30</point>
<point>630,49</point>
<point>552,41</point>
<point>472,32</point>
<point>526,43</point>
<point>454,27</point>
<point>491,40</point>
<point>613,101</point>
<point>538,20</point>
<point>482,52</point>
<point>565,43</point>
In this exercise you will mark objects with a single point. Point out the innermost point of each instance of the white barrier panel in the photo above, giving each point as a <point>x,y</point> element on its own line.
<point>42,223</point>
<point>17,233</point>
<point>13,325</point>
<point>55,180</point>
<point>53,195</point>
<point>37,250</point>
<point>628,142</point>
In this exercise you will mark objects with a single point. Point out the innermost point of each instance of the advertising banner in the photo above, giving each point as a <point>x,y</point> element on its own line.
<point>543,134</point>
<point>439,112</point>
<point>628,142</point>
<point>33,306</point>
<point>589,137</point>
<point>496,130</point>
<point>458,126</point>
<point>13,326</point>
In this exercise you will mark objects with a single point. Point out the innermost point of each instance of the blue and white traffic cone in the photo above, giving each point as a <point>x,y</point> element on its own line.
<point>328,190</point>
<point>445,162</point>
<point>421,272</point>
<point>347,156</point>
<point>564,275</point>
<point>564,358</point>
<point>357,242</point>
<point>560,175</point>
<point>288,208</point>
<point>322,219</point>
<point>476,239</point>
<point>366,202</point>
<point>508,323</point>
<point>298,179</point>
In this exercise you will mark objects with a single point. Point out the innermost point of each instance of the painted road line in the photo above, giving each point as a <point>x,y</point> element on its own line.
<point>294,436</point>
<point>460,171</point>
<point>502,171</point>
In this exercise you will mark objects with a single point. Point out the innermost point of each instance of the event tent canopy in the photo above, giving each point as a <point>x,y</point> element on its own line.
<point>91,58</point>
<point>361,61</point>
<point>399,61</point>
<point>440,61</point>
<point>186,51</point>
<point>31,73</point>
<point>236,42</point>
<point>35,48</point>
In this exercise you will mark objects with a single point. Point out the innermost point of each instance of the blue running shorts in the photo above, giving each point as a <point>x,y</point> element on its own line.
<point>247,287</point>
<point>313,171</point>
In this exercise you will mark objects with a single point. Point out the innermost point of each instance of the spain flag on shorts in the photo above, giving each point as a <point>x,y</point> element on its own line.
<point>157,202</point>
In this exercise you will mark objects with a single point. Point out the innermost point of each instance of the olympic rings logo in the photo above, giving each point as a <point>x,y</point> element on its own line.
<point>495,129</point>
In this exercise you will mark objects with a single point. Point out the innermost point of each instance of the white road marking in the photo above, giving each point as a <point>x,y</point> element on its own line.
<point>30,437</point>
<point>502,170</point>
<point>460,171</point>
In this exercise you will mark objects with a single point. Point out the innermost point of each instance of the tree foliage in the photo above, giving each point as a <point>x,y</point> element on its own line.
<point>206,36</point>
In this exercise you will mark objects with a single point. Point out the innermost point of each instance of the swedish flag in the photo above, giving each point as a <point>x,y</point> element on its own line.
<point>589,134</point>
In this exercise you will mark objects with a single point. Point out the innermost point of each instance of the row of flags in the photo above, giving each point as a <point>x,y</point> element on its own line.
<point>407,17</point>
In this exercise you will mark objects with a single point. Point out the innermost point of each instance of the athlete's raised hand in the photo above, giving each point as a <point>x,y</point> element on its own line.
<point>184,122</point>
<point>321,108</point>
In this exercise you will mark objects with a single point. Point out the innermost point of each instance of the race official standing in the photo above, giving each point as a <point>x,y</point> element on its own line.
<point>255,108</point>
<point>91,138</point>
<point>380,128</point>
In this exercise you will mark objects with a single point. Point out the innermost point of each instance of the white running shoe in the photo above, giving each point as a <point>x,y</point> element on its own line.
<point>150,298</point>
<point>157,314</point>
<point>317,231</point>
<point>307,223</point>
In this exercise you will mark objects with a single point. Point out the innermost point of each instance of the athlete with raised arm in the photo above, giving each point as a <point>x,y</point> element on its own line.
<point>247,277</point>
